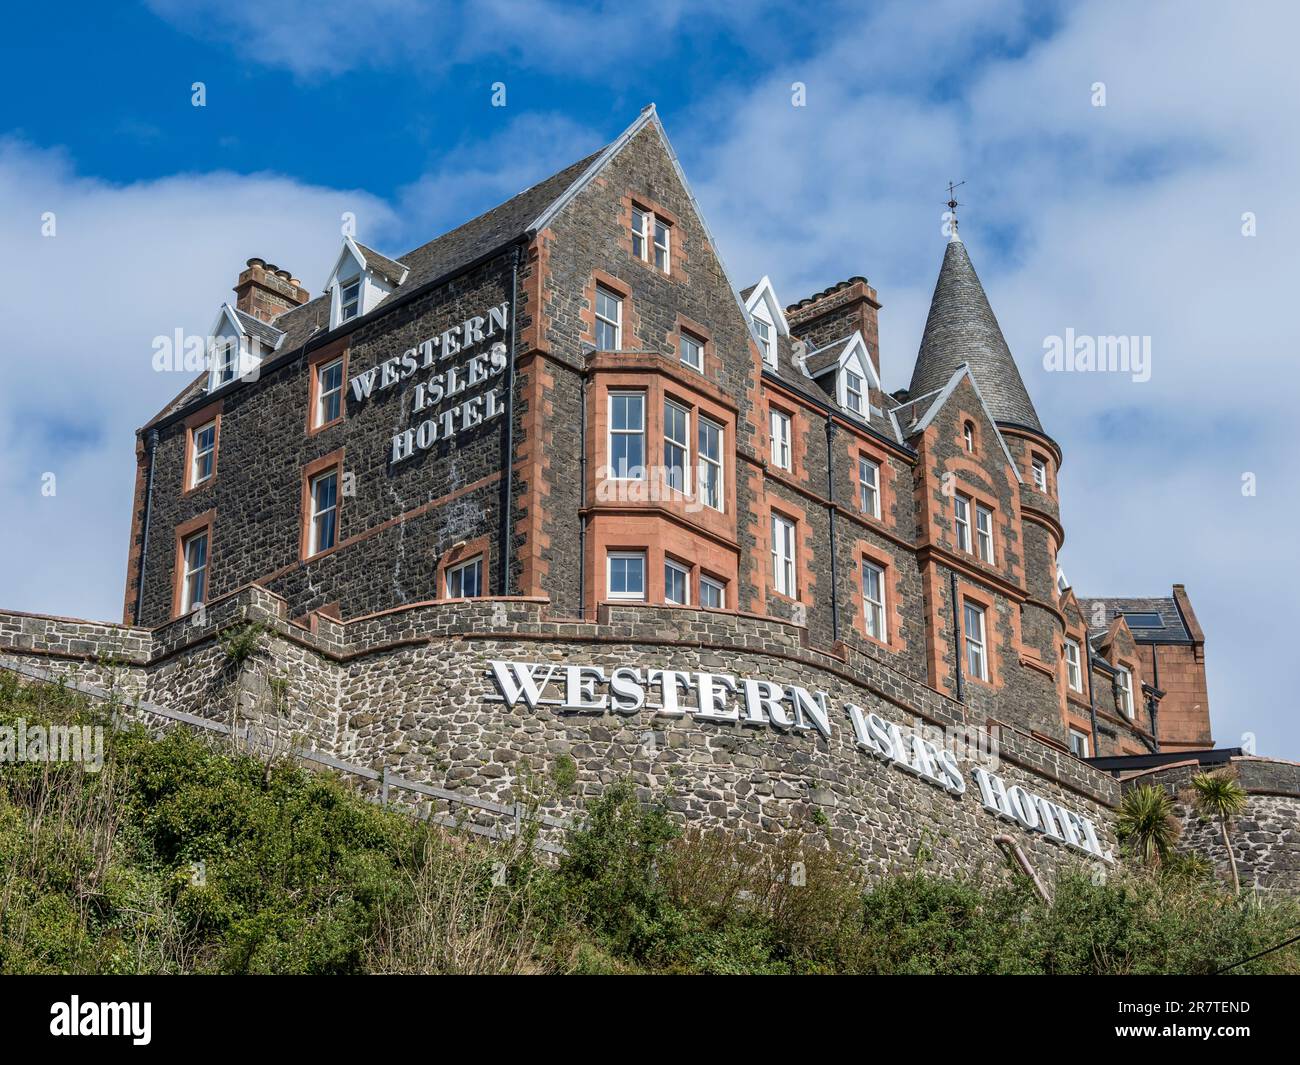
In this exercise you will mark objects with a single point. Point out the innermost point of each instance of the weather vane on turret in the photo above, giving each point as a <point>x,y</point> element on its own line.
<point>952,209</point>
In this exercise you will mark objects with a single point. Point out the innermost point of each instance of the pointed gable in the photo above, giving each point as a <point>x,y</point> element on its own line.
<point>933,403</point>
<point>1117,641</point>
<point>1069,605</point>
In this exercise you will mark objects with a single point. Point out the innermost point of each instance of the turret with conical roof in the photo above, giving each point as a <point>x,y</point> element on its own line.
<point>961,328</point>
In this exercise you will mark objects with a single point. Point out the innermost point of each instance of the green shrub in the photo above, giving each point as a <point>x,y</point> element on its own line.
<point>181,856</point>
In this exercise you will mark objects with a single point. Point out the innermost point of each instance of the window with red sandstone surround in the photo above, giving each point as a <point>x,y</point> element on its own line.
<point>324,492</point>
<point>203,453</point>
<point>1073,666</point>
<point>329,393</point>
<point>465,581</point>
<point>780,436</point>
<point>194,579</point>
<point>713,594</point>
<point>625,575</point>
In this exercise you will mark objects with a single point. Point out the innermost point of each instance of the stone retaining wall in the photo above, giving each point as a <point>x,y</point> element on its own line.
<point>1265,838</point>
<point>409,690</point>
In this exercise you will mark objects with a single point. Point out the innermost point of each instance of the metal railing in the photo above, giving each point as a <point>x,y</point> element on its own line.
<point>515,814</point>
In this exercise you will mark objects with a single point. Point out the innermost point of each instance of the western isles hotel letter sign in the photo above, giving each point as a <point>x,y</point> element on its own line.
<point>439,396</point>
<point>726,699</point>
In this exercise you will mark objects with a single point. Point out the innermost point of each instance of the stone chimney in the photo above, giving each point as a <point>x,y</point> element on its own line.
<point>839,311</point>
<point>264,290</point>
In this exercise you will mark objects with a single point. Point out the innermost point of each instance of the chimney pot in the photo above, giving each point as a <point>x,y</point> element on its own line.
<point>838,311</point>
<point>266,291</point>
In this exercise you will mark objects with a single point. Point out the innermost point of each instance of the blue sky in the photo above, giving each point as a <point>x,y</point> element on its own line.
<point>1123,219</point>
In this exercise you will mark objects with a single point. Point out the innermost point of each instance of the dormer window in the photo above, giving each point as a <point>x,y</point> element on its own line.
<point>766,319</point>
<point>361,278</point>
<point>225,362</point>
<point>237,344</point>
<point>853,392</point>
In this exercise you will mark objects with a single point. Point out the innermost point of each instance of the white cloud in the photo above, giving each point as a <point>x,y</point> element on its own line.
<point>1117,220</point>
<point>127,263</point>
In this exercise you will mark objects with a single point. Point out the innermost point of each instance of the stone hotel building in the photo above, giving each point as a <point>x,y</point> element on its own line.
<point>666,438</point>
<point>562,433</point>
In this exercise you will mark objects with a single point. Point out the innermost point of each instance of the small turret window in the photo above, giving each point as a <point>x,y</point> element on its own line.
<point>1040,474</point>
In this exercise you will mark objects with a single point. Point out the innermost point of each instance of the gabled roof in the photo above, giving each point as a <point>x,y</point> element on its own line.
<point>444,255</point>
<point>448,253</point>
<point>588,168</point>
<point>387,268</point>
<point>1106,639</point>
<point>268,336</point>
<point>765,294</point>
<point>519,217</point>
<point>838,354</point>
<point>941,398</point>
<point>961,328</point>
<point>259,330</point>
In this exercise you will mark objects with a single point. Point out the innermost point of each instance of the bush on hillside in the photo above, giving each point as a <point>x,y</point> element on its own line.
<point>185,855</point>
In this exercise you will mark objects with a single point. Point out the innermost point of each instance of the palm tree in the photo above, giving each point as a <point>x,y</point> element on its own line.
<point>1147,822</point>
<point>1219,796</point>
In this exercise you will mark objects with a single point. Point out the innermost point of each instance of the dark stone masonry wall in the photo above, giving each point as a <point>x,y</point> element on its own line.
<point>451,493</point>
<point>1265,838</point>
<point>404,691</point>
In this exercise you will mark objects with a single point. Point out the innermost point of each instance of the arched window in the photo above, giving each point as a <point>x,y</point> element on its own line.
<point>968,436</point>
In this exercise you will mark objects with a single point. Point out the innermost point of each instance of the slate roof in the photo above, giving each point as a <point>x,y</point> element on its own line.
<point>383,265</point>
<point>821,360</point>
<point>451,251</point>
<point>259,330</point>
<point>961,327</point>
<point>1172,628</point>
<point>443,255</point>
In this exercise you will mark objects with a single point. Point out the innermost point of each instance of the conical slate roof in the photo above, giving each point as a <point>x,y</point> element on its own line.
<point>961,327</point>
